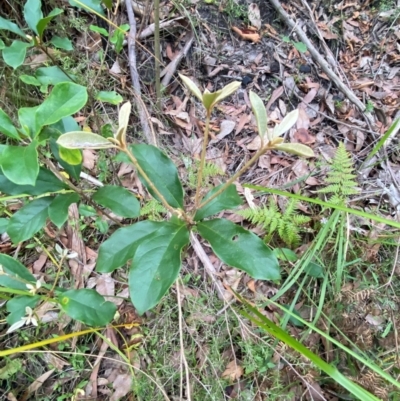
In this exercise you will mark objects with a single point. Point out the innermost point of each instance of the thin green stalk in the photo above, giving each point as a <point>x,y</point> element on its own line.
<point>202,160</point>
<point>234,177</point>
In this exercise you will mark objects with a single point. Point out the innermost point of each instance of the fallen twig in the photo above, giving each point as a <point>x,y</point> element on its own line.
<point>134,73</point>
<point>317,57</point>
<point>170,69</point>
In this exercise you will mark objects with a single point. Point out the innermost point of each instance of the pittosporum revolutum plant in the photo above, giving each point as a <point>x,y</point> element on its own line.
<point>153,248</point>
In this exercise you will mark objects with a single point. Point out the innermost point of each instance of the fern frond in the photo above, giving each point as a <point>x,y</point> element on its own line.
<point>153,210</point>
<point>340,177</point>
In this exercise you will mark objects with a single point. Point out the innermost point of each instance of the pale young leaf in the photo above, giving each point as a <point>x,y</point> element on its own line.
<point>296,149</point>
<point>226,91</point>
<point>84,140</point>
<point>123,117</point>
<point>259,112</point>
<point>192,87</point>
<point>286,123</point>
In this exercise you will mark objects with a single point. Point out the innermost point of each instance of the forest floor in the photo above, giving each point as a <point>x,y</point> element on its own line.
<point>342,275</point>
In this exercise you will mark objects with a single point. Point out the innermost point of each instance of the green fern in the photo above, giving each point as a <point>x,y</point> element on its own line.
<point>153,210</point>
<point>340,177</point>
<point>210,170</point>
<point>288,224</point>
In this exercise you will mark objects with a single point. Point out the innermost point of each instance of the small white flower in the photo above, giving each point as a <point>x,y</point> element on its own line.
<point>33,289</point>
<point>26,320</point>
<point>324,220</point>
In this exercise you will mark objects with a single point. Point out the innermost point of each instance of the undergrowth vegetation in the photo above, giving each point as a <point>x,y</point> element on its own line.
<point>111,244</point>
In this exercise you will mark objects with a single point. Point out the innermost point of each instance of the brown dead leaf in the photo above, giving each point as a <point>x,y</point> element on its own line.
<point>122,386</point>
<point>247,34</point>
<point>232,372</point>
<point>89,158</point>
<point>303,136</point>
<point>39,263</point>
<point>36,385</point>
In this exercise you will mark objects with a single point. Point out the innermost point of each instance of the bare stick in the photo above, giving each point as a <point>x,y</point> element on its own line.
<point>317,57</point>
<point>134,73</point>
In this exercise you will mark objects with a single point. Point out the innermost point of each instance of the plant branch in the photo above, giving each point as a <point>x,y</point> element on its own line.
<point>202,160</point>
<point>259,153</point>
<point>157,52</point>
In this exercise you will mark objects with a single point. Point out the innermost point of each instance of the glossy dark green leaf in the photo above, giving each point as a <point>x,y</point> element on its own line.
<point>25,223</point>
<point>51,76</point>
<point>240,248</point>
<point>17,275</point>
<point>58,209</point>
<point>87,306</point>
<point>42,23</point>
<point>229,199</point>
<point>89,5</point>
<point>62,43</point>
<point>156,265</point>
<point>20,164</point>
<point>7,25</point>
<point>161,171</point>
<point>121,246</point>
<point>46,182</point>
<point>119,200</point>
<point>27,120</point>
<point>7,127</point>
<point>16,307</point>
<point>14,55</point>
<point>64,100</point>
<point>33,13</point>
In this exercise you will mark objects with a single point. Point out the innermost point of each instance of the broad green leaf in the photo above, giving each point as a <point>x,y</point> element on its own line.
<point>260,113</point>
<point>27,120</point>
<point>65,99</point>
<point>33,14</point>
<point>117,39</point>
<point>16,307</point>
<point>123,121</point>
<point>87,306</point>
<point>287,123</point>
<point>296,149</point>
<point>71,156</point>
<point>93,6</point>
<point>10,367</point>
<point>83,140</point>
<point>25,223</point>
<point>121,246</point>
<point>46,182</point>
<point>42,24</point>
<point>119,200</point>
<point>29,80</point>
<point>20,164</point>
<point>101,31</point>
<point>7,127</point>
<point>52,75</point>
<point>73,171</point>
<point>7,25</point>
<point>161,171</point>
<point>101,225</point>
<point>3,224</point>
<point>300,46</point>
<point>156,265</point>
<point>108,4</point>
<point>62,43</point>
<point>87,210</point>
<point>229,199</point>
<point>14,55</point>
<point>240,248</point>
<point>67,124</point>
<point>285,254</point>
<point>111,97</point>
<point>192,87</point>
<point>17,275</point>
<point>314,270</point>
<point>58,209</point>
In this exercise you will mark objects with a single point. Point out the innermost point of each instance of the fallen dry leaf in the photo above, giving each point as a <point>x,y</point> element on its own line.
<point>254,15</point>
<point>247,34</point>
<point>232,372</point>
